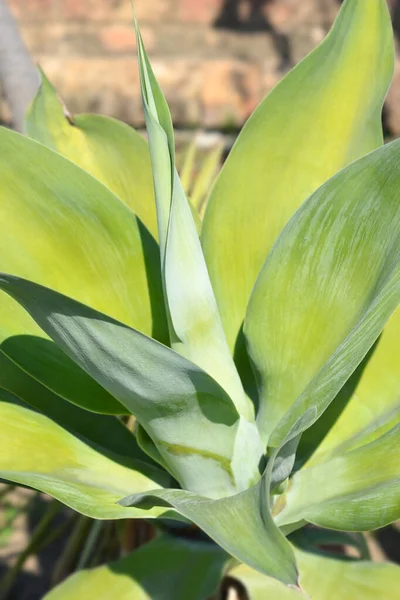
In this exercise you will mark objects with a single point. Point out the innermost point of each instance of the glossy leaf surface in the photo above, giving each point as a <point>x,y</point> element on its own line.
<point>108,149</point>
<point>363,491</point>
<point>323,115</point>
<point>164,569</point>
<point>36,452</point>
<point>326,291</point>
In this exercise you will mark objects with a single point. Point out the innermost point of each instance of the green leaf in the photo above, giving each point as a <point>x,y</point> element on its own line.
<point>363,491</point>
<point>260,587</point>
<point>66,230</point>
<point>324,577</point>
<point>375,404</point>
<point>185,163</point>
<point>326,291</point>
<point>241,524</point>
<point>322,116</point>
<point>314,437</point>
<point>102,430</point>
<point>109,150</point>
<point>46,364</point>
<point>190,418</point>
<point>165,569</point>
<point>324,541</point>
<point>205,175</point>
<point>195,326</point>
<point>36,452</point>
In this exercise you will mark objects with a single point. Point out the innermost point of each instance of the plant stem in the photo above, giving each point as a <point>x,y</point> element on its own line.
<point>35,541</point>
<point>71,550</point>
<point>89,545</point>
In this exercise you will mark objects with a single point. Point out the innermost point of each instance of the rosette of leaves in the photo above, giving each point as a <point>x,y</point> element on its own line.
<point>259,359</point>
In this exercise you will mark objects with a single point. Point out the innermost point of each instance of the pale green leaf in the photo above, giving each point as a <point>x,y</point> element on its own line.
<point>205,175</point>
<point>313,438</point>
<point>332,541</point>
<point>363,491</point>
<point>190,418</point>
<point>106,432</point>
<point>195,326</point>
<point>326,291</point>
<point>64,229</point>
<point>186,165</point>
<point>240,524</point>
<point>36,452</point>
<point>102,430</point>
<point>375,404</point>
<point>167,568</point>
<point>109,150</point>
<point>325,578</point>
<point>324,114</point>
<point>260,587</point>
<point>46,364</point>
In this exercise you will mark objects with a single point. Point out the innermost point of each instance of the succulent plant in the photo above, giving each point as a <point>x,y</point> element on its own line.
<point>252,356</point>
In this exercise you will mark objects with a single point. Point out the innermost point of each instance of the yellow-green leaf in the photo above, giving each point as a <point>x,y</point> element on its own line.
<point>195,324</point>
<point>323,115</point>
<point>64,229</point>
<point>167,568</point>
<point>325,578</point>
<point>326,291</point>
<point>363,491</point>
<point>110,150</point>
<point>189,417</point>
<point>375,404</point>
<point>36,452</point>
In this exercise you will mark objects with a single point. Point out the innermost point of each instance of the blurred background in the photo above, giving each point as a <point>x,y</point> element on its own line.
<point>215,59</point>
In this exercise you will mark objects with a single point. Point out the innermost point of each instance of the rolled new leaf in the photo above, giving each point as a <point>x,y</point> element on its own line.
<point>195,325</point>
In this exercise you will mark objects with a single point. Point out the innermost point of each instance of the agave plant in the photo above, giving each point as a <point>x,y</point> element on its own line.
<point>265,394</point>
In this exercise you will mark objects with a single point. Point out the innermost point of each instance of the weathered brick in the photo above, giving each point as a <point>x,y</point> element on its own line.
<point>210,76</point>
<point>230,91</point>
<point>113,11</point>
<point>83,39</point>
<point>99,85</point>
<point>71,39</point>
<point>34,10</point>
<point>199,11</point>
<point>121,38</point>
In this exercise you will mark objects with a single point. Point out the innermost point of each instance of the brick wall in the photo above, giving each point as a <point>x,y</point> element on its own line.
<point>213,70</point>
